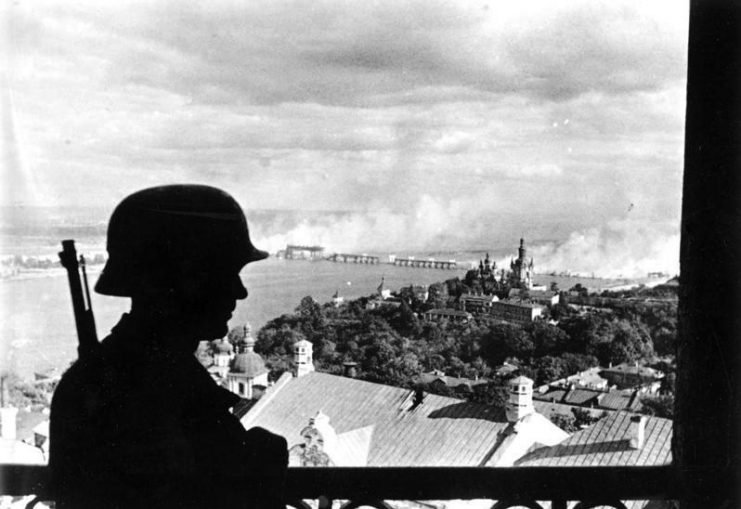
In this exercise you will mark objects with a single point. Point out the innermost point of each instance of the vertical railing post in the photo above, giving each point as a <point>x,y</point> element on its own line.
<point>559,503</point>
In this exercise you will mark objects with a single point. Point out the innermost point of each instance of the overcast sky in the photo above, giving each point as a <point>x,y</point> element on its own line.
<point>572,111</point>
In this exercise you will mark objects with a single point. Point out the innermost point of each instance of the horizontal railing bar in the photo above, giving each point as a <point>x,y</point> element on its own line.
<point>437,483</point>
<point>441,483</point>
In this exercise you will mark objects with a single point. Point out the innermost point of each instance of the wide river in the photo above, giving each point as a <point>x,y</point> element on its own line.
<point>38,330</point>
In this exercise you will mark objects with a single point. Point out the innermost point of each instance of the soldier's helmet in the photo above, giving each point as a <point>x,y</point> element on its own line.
<point>153,233</point>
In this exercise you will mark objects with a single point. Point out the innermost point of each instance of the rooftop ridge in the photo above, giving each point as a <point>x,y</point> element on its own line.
<point>266,398</point>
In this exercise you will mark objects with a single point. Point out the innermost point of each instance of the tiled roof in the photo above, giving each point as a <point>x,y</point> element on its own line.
<point>554,395</point>
<point>244,405</point>
<point>516,303</point>
<point>550,409</point>
<point>621,369</point>
<point>606,443</point>
<point>476,297</point>
<point>581,397</point>
<point>533,294</point>
<point>617,400</point>
<point>447,312</point>
<point>440,431</point>
<point>450,381</point>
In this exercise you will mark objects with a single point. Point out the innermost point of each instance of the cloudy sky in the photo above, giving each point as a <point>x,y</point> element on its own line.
<point>562,117</point>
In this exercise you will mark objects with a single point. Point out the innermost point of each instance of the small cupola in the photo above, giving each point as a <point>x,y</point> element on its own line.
<point>520,401</point>
<point>303,357</point>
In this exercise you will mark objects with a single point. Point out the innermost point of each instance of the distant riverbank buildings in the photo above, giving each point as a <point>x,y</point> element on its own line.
<point>507,296</point>
<point>492,281</point>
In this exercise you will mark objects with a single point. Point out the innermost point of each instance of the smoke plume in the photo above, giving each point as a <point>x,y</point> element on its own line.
<point>619,248</point>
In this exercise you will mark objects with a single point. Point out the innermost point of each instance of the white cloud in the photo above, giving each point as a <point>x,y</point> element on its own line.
<point>451,119</point>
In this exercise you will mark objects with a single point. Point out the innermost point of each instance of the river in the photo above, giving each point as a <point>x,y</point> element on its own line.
<point>38,329</point>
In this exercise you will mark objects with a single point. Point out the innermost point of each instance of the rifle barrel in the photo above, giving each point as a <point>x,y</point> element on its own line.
<point>83,311</point>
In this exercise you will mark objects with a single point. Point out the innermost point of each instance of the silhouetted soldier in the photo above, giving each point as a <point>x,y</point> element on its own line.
<point>139,422</point>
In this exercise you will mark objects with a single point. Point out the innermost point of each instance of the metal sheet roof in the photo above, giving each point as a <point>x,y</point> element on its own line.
<point>606,443</point>
<point>440,431</point>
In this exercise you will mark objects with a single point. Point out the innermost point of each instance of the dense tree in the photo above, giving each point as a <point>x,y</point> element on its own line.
<point>660,406</point>
<point>548,339</point>
<point>548,369</point>
<point>584,418</point>
<point>438,295</point>
<point>392,345</point>
<point>576,363</point>
<point>630,342</point>
<point>494,393</point>
<point>565,422</point>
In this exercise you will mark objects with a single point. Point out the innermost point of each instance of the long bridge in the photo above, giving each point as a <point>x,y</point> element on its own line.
<point>353,258</point>
<point>430,263</point>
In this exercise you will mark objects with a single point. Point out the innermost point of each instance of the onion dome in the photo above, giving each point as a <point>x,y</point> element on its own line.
<point>246,342</point>
<point>249,364</point>
<point>222,346</point>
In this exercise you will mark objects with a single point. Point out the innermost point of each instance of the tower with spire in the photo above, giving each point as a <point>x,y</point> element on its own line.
<point>522,269</point>
<point>337,299</point>
<point>381,291</point>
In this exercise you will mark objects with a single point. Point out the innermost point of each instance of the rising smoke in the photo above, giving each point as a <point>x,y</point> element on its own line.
<point>619,248</point>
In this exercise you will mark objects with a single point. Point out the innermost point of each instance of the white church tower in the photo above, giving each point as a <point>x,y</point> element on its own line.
<point>520,401</point>
<point>303,357</point>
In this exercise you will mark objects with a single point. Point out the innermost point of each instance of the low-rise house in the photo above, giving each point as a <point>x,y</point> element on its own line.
<point>627,376</point>
<point>543,297</point>
<point>439,379</point>
<point>376,302</point>
<point>420,292</point>
<point>455,315</point>
<point>516,312</point>
<point>582,397</point>
<point>588,379</point>
<point>505,369</point>
<point>620,400</point>
<point>475,303</point>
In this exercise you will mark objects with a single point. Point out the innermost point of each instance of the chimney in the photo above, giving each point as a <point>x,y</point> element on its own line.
<point>637,431</point>
<point>419,397</point>
<point>350,369</point>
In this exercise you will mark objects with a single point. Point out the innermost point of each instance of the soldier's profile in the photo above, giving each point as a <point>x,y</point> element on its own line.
<point>138,422</point>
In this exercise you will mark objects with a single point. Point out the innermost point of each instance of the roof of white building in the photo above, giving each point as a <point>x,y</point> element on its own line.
<point>395,428</point>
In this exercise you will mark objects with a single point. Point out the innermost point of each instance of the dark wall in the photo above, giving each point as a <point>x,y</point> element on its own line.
<point>707,426</point>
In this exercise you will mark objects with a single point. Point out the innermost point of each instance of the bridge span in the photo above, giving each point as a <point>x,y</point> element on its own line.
<point>424,264</point>
<point>353,258</point>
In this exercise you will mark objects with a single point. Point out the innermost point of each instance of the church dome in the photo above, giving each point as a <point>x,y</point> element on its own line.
<point>222,346</point>
<point>249,364</point>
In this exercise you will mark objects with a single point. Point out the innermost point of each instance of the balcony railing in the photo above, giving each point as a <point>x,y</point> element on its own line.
<point>509,487</point>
